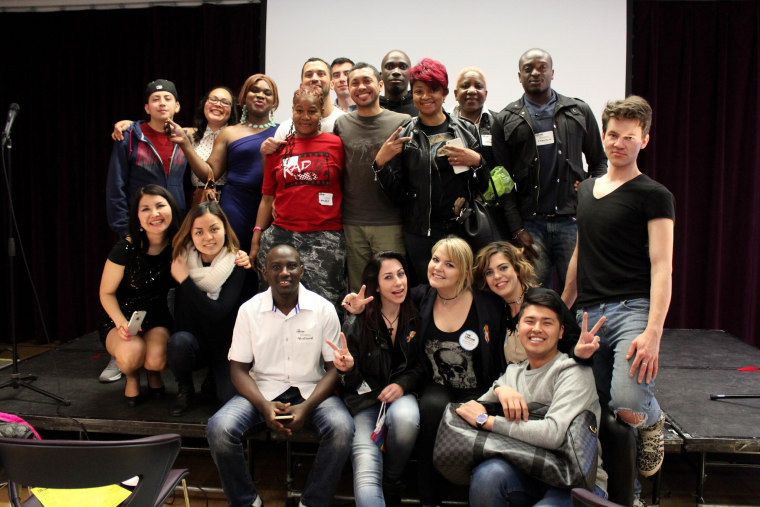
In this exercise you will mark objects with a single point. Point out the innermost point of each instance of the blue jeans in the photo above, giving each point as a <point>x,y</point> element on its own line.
<point>184,355</point>
<point>554,241</point>
<point>625,321</point>
<point>496,483</point>
<point>238,417</point>
<point>371,465</point>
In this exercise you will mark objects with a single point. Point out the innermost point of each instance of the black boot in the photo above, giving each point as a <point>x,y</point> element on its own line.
<point>181,404</point>
<point>392,493</point>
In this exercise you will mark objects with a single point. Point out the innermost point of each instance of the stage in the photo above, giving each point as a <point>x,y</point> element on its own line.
<point>693,365</point>
<point>71,372</point>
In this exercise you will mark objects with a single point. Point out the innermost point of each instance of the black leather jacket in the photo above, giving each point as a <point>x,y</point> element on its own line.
<point>373,353</point>
<point>576,134</point>
<point>406,177</point>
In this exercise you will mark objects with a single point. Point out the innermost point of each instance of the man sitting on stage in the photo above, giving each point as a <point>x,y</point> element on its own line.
<point>283,333</point>
<point>549,377</point>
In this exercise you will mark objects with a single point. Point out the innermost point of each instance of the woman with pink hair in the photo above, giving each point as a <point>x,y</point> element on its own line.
<point>427,166</point>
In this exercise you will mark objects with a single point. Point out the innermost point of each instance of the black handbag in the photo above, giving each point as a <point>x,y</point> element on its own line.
<point>481,223</point>
<point>459,447</point>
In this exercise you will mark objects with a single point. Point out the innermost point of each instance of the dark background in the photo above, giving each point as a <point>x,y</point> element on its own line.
<point>75,73</point>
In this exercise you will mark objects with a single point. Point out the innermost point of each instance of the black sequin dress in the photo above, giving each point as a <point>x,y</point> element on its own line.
<point>145,286</point>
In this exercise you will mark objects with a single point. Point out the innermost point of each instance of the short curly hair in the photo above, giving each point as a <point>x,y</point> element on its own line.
<point>432,73</point>
<point>526,274</point>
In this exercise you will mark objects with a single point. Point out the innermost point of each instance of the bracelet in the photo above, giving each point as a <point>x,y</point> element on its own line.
<point>515,235</point>
<point>257,228</point>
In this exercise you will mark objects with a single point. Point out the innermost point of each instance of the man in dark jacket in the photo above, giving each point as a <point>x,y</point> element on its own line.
<point>540,139</point>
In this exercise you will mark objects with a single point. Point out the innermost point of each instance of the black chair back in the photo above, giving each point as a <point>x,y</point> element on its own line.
<point>67,464</point>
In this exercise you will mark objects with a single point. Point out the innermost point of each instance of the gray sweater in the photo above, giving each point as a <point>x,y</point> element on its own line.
<point>563,385</point>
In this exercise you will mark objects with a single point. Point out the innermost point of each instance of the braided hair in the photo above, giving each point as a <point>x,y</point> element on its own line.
<point>303,91</point>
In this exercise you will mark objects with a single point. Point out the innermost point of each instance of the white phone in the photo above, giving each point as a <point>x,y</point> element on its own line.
<point>457,143</point>
<point>135,321</point>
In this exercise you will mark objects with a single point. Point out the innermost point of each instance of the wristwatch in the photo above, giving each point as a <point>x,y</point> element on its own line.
<point>481,420</point>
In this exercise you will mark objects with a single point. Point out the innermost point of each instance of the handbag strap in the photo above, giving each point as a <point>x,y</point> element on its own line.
<point>210,179</point>
<point>495,200</point>
<point>480,443</point>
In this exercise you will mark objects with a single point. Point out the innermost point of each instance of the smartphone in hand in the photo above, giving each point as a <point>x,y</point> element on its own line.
<point>135,321</point>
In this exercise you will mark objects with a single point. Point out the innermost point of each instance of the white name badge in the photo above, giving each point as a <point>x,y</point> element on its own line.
<point>364,388</point>
<point>468,340</point>
<point>543,138</point>
<point>486,139</point>
<point>325,198</point>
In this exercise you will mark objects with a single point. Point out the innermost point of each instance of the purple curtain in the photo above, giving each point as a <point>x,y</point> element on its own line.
<point>73,74</point>
<point>698,65</point>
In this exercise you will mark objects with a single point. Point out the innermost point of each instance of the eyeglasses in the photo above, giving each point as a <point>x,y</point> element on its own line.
<point>217,100</point>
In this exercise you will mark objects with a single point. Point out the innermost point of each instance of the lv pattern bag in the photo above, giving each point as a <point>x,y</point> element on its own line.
<point>459,448</point>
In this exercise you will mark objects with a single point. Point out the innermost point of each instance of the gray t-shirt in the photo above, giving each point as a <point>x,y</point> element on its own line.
<point>364,202</point>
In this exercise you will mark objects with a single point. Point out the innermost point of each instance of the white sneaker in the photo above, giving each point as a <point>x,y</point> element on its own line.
<point>639,502</point>
<point>112,373</point>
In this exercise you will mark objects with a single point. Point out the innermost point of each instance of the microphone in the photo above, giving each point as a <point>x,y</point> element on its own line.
<point>12,112</point>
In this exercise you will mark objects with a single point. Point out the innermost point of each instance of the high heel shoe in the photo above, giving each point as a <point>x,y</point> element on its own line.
<point>157,392</point>
<point>133,401</point>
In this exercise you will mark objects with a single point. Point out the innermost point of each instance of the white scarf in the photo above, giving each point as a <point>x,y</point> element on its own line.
<point>210,278</point>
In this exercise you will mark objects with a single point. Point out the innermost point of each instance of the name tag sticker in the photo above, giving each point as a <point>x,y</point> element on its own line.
<point>486,139</point>
<point>543,138</point>
<point>326,198</point>
<point>468,340</point>
<point>364,388</point>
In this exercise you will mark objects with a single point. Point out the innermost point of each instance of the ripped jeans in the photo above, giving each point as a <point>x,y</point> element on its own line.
<point>625,321</point>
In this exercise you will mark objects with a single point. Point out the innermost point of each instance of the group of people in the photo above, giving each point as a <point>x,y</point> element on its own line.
<point>355,204</point>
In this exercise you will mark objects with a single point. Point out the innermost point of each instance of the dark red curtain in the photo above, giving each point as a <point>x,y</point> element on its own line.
<point>698,65</point>
<point>73,74</point>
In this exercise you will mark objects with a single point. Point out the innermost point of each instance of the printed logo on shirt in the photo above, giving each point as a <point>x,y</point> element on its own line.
<point>438,143</point>
<point>304,335</point>
<point>306,169</point>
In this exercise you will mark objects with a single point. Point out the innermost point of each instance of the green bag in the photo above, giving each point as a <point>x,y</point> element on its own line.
<point>501,183</point>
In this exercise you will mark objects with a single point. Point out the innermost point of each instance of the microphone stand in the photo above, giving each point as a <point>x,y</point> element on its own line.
<point>17,379</point>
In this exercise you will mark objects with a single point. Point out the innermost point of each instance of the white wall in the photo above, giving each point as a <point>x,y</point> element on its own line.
<point>586,38</point>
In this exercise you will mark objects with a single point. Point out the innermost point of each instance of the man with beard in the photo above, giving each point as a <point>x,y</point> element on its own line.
<point>315,72</point>
<point>395,74</point>
<point>371,222</point>
<point>340,67</point>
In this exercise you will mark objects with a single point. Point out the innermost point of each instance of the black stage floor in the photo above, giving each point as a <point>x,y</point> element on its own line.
<point>71,371</point>
<point>693,365</point>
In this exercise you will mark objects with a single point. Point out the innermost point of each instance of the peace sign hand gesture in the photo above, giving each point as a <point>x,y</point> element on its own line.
<point>391,148</point>
<point>355,303</point>
<point>342,358</point>
<point>588,342</point>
